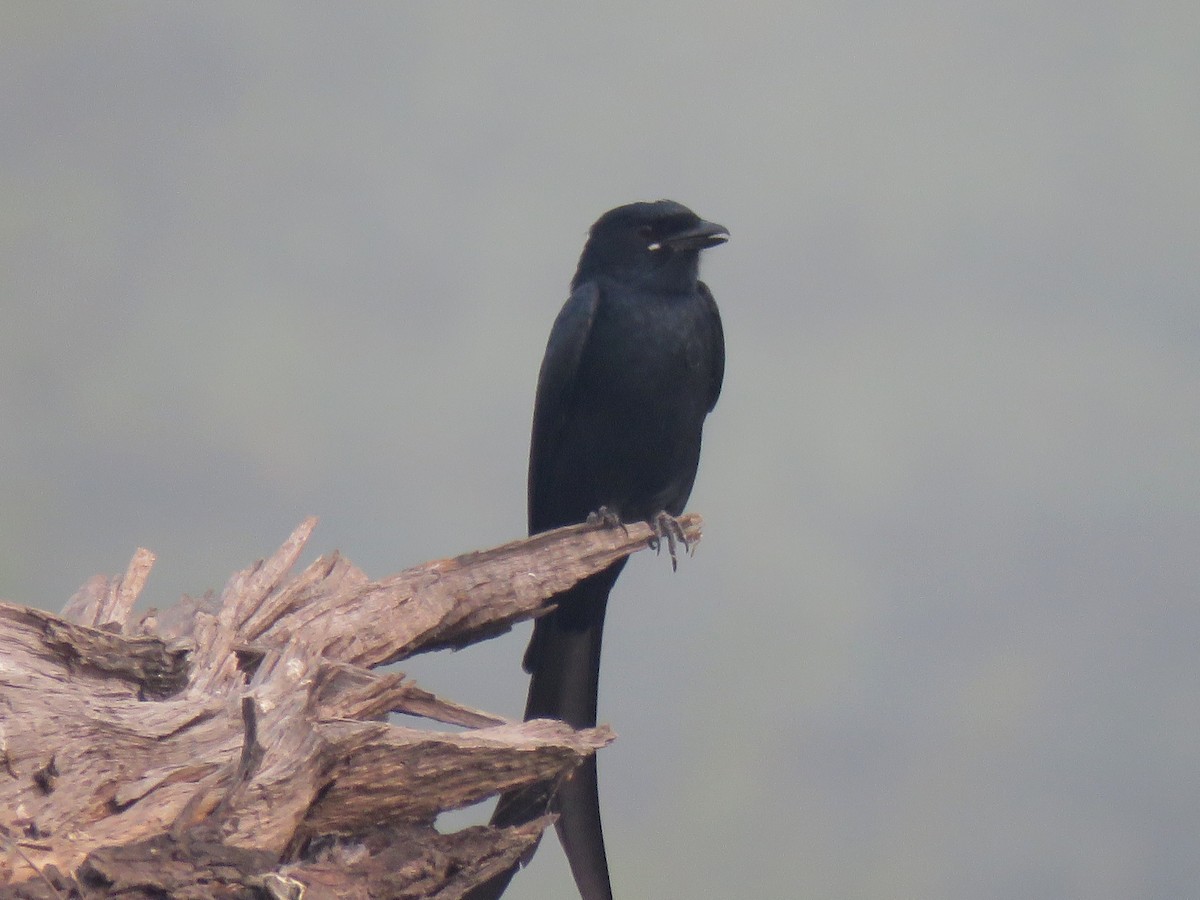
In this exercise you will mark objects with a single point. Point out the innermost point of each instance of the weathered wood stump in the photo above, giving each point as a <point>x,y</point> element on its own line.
<point>239,747</point>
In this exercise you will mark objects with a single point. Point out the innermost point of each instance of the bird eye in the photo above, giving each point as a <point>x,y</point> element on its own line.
<point>646,232</point>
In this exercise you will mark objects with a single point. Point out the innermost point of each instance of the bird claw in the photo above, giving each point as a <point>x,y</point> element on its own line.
<point>666,526</point>
<point>606,518</point>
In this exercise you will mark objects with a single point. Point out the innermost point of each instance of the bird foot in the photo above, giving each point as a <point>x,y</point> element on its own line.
<point>667,527</point>
<point>606,518</point>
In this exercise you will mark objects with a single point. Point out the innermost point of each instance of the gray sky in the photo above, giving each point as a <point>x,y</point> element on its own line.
<point>264,261</point>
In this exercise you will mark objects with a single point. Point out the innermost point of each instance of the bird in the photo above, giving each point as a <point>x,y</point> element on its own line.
<point>633,365</point>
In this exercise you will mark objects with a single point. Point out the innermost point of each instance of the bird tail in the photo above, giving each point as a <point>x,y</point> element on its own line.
<point>563,661</point>
<point>563,657</point>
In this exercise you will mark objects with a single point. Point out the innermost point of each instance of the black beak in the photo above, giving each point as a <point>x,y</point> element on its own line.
<point>698,237</point>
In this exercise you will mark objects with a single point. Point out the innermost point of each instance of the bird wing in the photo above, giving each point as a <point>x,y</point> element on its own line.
<point>718,369</point>
<point>555,390</point>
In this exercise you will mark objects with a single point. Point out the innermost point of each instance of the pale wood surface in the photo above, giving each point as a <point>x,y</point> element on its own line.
<point>240,745</point>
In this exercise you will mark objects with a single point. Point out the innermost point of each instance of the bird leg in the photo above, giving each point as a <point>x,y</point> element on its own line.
<point>667,526</point>
<point>606,518</point>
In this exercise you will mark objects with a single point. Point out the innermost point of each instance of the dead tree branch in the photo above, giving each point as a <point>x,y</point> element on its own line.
<point>240,747</point>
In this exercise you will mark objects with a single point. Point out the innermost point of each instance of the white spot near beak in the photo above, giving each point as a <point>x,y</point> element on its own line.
<point>655,246</point>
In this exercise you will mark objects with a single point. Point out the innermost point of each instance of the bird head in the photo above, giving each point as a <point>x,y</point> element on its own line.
<point>648,242</point>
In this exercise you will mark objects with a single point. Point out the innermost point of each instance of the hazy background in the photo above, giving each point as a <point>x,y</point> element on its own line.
<point>263,261</point>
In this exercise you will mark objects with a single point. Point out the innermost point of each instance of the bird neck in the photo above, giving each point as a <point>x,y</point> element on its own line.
<point>678,273</point>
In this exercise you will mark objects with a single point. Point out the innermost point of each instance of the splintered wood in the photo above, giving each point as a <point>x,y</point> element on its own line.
<point>240,746</point>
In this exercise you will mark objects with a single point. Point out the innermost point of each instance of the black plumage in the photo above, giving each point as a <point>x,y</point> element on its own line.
<point>633,365</point>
